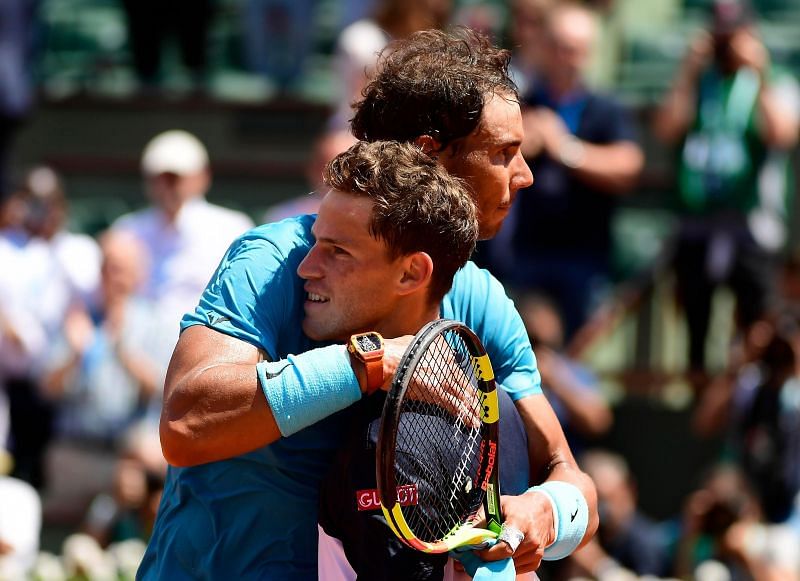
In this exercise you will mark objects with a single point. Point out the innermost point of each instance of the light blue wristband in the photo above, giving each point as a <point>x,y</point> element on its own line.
<point>570,517</point>
<point>304,389</point>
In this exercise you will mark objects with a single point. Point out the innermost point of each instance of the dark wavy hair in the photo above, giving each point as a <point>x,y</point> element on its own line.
<point>432,83</point>
<point>418,206</point>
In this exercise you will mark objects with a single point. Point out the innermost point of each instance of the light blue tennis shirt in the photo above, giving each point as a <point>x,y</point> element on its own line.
<point>255,516</point>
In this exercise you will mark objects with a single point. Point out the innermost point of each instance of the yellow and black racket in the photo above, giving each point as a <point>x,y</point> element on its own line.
<point>437,456</point>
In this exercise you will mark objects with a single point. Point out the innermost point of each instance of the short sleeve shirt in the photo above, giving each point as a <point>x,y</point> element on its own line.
<point>255,516</point>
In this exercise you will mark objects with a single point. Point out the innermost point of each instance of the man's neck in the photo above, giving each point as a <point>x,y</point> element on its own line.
<point>408,318</point>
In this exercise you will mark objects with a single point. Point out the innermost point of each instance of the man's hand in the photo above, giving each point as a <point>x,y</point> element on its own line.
<point>747,50</point>
<point>698,57</point>
<point>551,130</point>
<point>532,514</point>
<point>5,548</point>
<point>393,350</point>
<point>533,142</point>
<point>453,393</point>
<point>78,330</point>
<point>9,333</point>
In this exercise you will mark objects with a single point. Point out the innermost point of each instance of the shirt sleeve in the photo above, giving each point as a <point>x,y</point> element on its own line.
<point>478,300</point>
<point>252,294</point>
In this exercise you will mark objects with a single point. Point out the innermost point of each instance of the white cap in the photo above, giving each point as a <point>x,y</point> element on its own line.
<point>174,151</point>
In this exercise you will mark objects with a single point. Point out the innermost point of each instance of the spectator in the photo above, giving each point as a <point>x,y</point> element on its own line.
<point>583,150</point>
<point>184,234</point>
<point>32,307</point>
<point>723,531</point>
<point>758,403</point>
<point>102,375</point>
<point>528,33</point>
<point>77,255</point>
<point>327,146</point>
<point>626,538</point>
<point>13,347</point>
<point>734,118</point>
<point>128,511</point>
<point>571,388</point>
<point>359,45</point>
<point>278,36</point>
<point>45,269</point>
<point>151,23</point>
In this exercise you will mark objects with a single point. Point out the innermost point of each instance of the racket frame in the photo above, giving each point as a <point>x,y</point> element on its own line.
<point>466,533</point>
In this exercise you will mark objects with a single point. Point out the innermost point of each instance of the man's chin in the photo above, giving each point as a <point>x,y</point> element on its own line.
<point>316,333</point>
<point>489,231</point>
<point>311,332</point>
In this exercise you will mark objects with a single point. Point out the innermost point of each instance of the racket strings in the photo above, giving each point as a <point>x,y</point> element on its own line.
<point>439,446</point>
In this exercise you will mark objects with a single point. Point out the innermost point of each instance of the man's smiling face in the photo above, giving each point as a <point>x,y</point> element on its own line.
<point>348,272</point>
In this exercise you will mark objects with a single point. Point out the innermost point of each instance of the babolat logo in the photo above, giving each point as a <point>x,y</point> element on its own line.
<point>489,464</point>
<point>369,499</point>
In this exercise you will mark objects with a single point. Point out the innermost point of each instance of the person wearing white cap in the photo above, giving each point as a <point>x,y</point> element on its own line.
<point>184,234</point>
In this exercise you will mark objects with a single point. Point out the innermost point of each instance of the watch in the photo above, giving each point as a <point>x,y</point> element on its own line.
<point>368,348</point>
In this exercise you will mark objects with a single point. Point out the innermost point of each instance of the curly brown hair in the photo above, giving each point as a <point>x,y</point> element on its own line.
<point>418,206</point>
<point>432,83</point>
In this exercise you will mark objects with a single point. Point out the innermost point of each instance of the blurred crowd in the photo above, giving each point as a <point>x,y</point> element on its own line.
<point>88,322</point>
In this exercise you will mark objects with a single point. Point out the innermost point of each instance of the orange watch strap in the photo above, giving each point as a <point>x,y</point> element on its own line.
<point>374,374</point>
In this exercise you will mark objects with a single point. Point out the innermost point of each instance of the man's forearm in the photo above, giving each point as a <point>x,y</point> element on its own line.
<point>778,124</point>
<point>551,458</point>
<point>214,404</point>
<point>216,413</point>
<point>614,168</point>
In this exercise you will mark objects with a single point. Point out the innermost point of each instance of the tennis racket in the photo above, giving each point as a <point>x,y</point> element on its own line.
<point>437,454</point>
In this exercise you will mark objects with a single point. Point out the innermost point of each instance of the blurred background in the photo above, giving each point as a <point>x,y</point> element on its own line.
<point>119,117</point>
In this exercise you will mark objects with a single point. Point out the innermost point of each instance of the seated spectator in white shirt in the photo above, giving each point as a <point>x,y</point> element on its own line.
<point>34,300</point>
<point>185,235</point>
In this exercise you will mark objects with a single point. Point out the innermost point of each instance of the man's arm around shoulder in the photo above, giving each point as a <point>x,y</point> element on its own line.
<point>213,405</point>
<point>217,404</point>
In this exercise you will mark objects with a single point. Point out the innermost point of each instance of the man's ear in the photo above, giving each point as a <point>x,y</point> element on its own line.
<point>417,273</point>
<point>429,145</point>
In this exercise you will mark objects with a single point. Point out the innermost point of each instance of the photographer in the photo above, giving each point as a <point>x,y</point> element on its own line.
<point>723,530</point>
<point>734,118</point>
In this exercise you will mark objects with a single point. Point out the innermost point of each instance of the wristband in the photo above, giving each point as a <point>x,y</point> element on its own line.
<point>304,389</point>
<point>570,517</point>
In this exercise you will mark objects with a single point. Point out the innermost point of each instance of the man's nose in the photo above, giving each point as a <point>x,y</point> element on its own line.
<point>309,266</point>
<point>523,175</point>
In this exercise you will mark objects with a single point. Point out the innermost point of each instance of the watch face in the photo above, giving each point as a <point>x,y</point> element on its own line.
<point>368,342</point>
